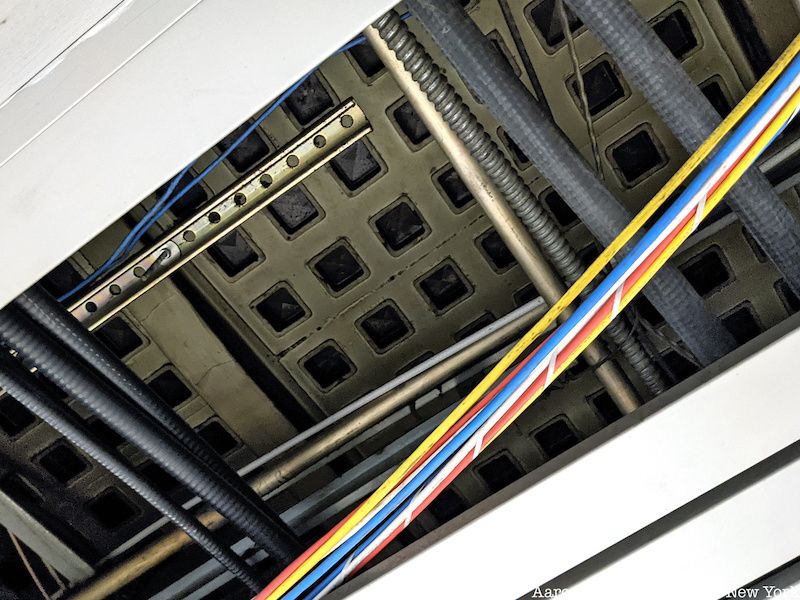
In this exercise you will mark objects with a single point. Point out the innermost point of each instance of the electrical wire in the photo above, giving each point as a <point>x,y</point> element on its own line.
<point>686,223</point>
<point>167,201</point>
<point>589,275</point>
<point>580,85</point>
<point>485,429</point>
<point>679,217</point>
<point>472,412</point>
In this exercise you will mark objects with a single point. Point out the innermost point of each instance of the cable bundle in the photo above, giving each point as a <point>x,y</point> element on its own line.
<point>483,414</point>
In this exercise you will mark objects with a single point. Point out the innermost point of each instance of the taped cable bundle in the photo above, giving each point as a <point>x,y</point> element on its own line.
<point>481,417</point>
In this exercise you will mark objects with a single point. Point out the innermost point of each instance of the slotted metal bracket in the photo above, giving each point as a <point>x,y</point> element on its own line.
<point>219,216</point>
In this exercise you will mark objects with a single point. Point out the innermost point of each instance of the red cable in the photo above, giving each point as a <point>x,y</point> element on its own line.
<point>535,387</point>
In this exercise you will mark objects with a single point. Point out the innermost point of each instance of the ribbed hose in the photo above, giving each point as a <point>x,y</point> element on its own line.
<point>400,40</point>
<point>17,331</point>
<point>650,66</point>
<point>624,338</point>
<point>29,391</point>
<point>510,102</point>
<point>517,193</point>
<point>51,316</point>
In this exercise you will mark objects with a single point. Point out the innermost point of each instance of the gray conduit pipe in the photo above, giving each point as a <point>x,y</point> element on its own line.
<point>21,334</point>
<point>29,391</point>
<point>511,103</point>
<point>313,448</point>
<point>650,66</point>
<point>56,320</point>
<point>513,231</point>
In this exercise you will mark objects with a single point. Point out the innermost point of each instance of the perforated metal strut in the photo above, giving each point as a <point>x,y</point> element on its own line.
<point>298,159</point>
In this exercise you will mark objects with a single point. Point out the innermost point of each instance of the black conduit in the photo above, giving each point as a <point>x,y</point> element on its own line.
<point>18,332</point>
<point>51,315</point>
<point>516,110</point>
<point>651,67</point>
<point>542,227</point>
<point>32,394</point>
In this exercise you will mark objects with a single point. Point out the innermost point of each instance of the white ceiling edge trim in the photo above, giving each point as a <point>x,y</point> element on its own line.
<point>33,35</point>
<point>713,554</point>
<point>82,68</point>
<point>602,491</point>
<point>132,104</point>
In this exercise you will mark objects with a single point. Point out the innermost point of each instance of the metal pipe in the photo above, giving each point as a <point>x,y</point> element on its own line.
<point>480,185</point>
<point>32,394</point>
<point>650,66</point>
<point>488,73</point>
<point>21,334</point>
<point>295,459</point>
<point>512,230</point>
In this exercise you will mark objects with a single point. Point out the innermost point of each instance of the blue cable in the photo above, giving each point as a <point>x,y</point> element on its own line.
<point>133,237</point>
<point>363,546</point>
<point>167,200</point>
<point>606,286</point>
<point>127,244</point>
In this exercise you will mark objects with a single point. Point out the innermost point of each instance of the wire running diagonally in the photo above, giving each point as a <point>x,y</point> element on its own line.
<point>168,200</point>
<point>497,421</point>
<point>580,85</point>
<point>778,107</point>
<point>685,224</point>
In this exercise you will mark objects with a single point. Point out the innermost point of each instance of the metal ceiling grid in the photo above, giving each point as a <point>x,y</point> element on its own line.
<point>432,232</point>
<point>380,274</point>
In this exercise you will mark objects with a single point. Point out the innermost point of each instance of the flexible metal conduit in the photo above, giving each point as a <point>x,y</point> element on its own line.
<point>295,457</point>
<point>650,66</point>
<point>51,316</point>
<point>18,332</point>
<point>31,393</point>
<point>510,102</point>
<point>512,230</point>
<point>314,447</point>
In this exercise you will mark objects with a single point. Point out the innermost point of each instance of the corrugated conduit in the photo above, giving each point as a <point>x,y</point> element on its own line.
<point>650,66</point>
<point>457,114</point>
<point>511,103</point>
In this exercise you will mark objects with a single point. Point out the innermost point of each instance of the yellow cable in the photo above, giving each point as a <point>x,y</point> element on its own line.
<point>548,319</point>
<point>711,202</point>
